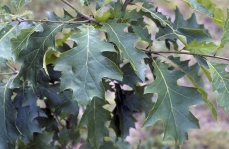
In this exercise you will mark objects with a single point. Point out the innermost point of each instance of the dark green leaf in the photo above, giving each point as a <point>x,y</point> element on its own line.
<point>181,28</point>
<point>129,76</point>
<point>31,52</point>
<point>84,66</point>
<point>94,118</point>
<point>40,141</point>
<point>125,43</point>
<point>173,103</point>
<point>127,103</point>
<point>192,74</point>
<point>9,131</point>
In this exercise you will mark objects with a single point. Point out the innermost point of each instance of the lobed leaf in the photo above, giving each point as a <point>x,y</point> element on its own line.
<point>202,47</point>
<point>181,28</point>
<point>30,47</point>
<point>218,15</point>
<point>84,66</point>
<point>17,4</point>
<point>225,37</point>
<point>220,83</point>
<point>9,131</point>
<point>199,7</point>
<point>94,118</point>
<point>172,104</point>
<point>6,33</point>
<point>125,43</point>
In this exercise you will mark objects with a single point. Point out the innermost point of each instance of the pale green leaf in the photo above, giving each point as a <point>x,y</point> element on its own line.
<point>225,37</point>
<point>202,47</point>
<point>199,7</point>
<point>218,15</point>
<point>17,4</point>
<point>6,33</point>
<point>220,83</point>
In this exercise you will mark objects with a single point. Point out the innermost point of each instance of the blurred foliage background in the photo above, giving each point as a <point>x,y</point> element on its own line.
<point>212,135</point>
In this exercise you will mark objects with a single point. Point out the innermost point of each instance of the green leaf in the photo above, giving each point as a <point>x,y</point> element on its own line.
<point>84,66</point>
<point>129,76</point>
<point>156,16</point>
<point>40,141</point>
<point>60,102</point>
<point>181,28</point>
<point>125,43</point>
<point>99,3</point>
<point>218,15</point>
<point>9,132</point>
<point>127,102</point>
<point>202,47</point>
<point>22,40</point>
<point>6,33</point>
<point>192,74</point>
<point>19,3</point>
<point>220,83</point>
<point>199,7</point>
<point>173,103</point>
<point>143,33</point>
<point>225,37</point>
<point>30,47</point>
<point>94,118</point>
<point>104,16</point>
<point>25,125</point>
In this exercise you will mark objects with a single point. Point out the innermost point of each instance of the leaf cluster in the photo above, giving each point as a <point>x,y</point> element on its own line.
<point>64,67</point>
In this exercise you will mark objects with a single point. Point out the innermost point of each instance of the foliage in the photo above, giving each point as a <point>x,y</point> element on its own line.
<point>64,66</point>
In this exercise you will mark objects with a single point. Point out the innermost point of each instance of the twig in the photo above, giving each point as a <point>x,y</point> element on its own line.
<point>58,120</point>
<point>11,67</point>
<point>85,16</point>
<point>10,73</point>
<point>51,21</point>
<point>174,52</point>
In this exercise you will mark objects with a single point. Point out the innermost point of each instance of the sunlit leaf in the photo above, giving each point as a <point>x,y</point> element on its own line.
<point>202,47</point>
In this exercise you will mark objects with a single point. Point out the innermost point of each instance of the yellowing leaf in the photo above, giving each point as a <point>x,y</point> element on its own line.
<point>201,48</point>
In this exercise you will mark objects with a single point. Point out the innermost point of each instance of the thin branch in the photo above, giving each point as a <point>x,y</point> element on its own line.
<point>58,120</point>
<point>11,67</point>
<point>51,21</point>
<point>10,73</point>
<point>174,52</point>
<point>85,16</point>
